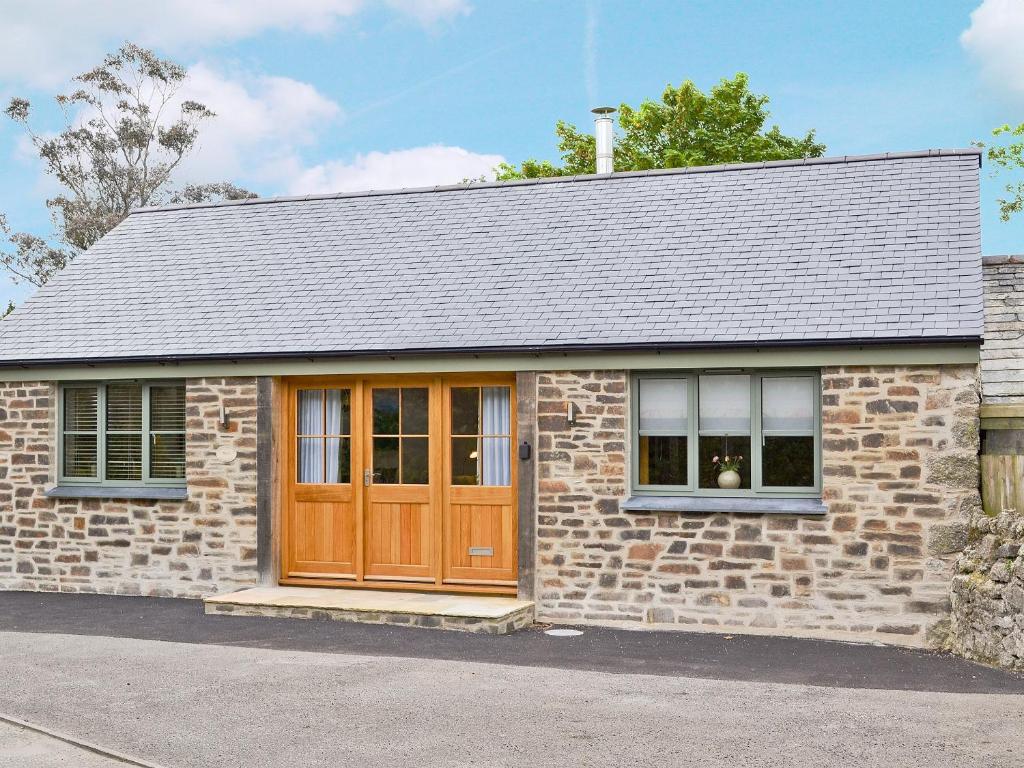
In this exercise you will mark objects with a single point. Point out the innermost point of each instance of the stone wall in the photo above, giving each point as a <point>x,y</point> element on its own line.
<point>988,592</point>
<point>191,548</point>
<point>987,621</point>
<point>900,481</point>
<point>1002,356</point>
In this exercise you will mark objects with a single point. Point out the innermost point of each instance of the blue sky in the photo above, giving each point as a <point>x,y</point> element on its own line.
<point>322,95</point>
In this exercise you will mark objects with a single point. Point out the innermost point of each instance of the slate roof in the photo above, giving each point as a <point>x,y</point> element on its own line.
<point>835,250</point>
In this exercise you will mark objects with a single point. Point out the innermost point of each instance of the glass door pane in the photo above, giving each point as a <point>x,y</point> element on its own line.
<point>337,436</point>
<point>323,423</point>
<point>495,439</point>
<point>401,443</point>
<point>481,435</point>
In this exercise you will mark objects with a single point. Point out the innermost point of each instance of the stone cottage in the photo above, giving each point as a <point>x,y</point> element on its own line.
<point>742,397</point>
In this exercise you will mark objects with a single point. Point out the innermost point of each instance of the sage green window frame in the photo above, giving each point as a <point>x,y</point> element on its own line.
<point>757,435</point>
<point>101,436</point>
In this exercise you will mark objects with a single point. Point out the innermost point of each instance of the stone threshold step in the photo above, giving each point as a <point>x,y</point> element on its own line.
<point>463,613</point>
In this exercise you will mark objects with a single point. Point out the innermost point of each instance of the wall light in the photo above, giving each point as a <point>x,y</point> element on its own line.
<point>571,412</point>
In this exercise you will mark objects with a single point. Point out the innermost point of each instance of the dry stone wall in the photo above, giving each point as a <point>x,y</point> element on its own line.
<point>987,622</point>
<point>191,548</point>
<point>900,480</point>
<point>988,592</point>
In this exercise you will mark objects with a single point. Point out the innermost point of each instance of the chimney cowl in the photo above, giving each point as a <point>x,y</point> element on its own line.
<point>604,134</point>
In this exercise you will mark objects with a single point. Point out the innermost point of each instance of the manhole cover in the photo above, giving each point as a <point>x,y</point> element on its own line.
<point>563,632</point>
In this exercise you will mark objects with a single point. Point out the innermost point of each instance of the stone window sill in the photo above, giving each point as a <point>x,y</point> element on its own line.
<point>706,505</point>
<point>115,492</point>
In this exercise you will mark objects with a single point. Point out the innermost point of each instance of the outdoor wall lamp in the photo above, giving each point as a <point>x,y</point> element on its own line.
<point>571,412</point>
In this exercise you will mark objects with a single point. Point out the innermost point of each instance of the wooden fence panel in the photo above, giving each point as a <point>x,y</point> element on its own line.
<point>1002,483</point>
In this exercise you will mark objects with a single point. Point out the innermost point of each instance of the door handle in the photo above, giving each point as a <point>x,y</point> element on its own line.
<point>366,477</point>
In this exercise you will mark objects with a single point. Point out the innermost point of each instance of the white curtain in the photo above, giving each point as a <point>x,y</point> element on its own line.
<point>333,450</point>
<point>497,420</point>
<point>311,422</point>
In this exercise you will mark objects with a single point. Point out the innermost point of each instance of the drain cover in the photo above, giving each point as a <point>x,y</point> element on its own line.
<point>563,632</point>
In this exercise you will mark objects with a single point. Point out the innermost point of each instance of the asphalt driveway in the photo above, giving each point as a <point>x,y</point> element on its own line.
<point>156,679</point>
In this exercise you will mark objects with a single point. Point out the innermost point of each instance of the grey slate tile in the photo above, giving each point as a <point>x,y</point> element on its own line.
<point>826,250</point>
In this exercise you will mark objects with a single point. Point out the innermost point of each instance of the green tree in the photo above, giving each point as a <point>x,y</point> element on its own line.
<point>687,127</point>
<point>1008,155</point>
<point>125,132</point>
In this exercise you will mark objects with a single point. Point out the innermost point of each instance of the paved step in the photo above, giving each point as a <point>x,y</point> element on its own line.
<point>463,613</point>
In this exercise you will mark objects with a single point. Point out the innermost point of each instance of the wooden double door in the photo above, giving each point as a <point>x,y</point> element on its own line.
<point>402,482</point>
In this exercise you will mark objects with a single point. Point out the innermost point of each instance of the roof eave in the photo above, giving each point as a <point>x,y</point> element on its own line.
<point>538,350</point>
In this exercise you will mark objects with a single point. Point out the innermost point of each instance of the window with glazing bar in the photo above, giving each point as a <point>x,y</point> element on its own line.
<point>122,433</point>
<point>481,434</point>
<point>735,433</point>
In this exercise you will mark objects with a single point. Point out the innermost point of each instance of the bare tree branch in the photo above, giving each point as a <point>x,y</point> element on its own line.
<point>125,133</point>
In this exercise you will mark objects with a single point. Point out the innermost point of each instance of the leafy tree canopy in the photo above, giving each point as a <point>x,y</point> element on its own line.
<point>687,127</point>
<point>1007,153</point>
<point>125,132</point>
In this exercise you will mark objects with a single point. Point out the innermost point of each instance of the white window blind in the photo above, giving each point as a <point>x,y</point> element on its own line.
<point>123,432</point>
<point>167,432</point>
<point>787,404</point>
<point>81,433</point>
<point>724,405</point>
<point>663,407</point>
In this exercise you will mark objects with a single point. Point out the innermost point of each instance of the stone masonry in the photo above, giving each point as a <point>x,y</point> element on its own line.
<point>191,548</point>
<point>1002,356</point>
<point>987,621</point>
<point>988,592</point>
<point>900,480</point>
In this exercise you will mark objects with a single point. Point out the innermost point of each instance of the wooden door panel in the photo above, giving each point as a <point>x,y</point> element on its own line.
<point>324,493</point>
<point>398,539</point>
<point>323,537</point>
<point>474,528</point>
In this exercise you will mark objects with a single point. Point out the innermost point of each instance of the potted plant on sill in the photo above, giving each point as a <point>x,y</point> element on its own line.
<point>728,471</point>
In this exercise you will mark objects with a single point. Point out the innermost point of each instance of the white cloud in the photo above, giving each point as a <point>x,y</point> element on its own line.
<point>47,42</point>
<point>995,39</point>
<point>416,167</point>
<point>261,125</point>
<point>267,128</point>
<point>265,125</point>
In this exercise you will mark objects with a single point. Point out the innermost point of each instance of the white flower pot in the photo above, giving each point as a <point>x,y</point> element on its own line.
<point>729,479</point>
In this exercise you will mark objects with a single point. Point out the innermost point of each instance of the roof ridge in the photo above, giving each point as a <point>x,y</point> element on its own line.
<point>1000,259</point>
<point>724,167</point>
